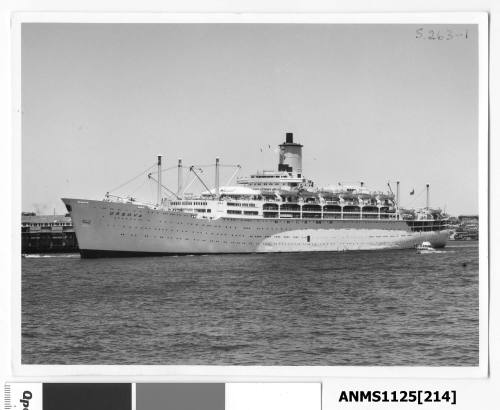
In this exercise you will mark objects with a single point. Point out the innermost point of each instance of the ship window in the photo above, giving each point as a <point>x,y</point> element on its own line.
<point>308,238</point>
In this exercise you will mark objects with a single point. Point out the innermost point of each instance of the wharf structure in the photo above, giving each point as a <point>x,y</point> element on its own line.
<point>467,228</point>
<point>47,234</point>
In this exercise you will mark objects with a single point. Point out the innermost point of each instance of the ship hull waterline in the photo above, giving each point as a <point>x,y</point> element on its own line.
<point>111,229</point>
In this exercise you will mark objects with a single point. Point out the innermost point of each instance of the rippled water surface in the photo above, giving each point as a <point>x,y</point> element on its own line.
<point>339,308</point>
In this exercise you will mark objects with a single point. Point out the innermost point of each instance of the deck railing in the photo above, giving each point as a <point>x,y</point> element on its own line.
<point>289,212</point>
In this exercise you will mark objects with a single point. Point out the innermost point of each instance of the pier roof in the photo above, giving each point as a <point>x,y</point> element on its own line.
<point>29,218</point>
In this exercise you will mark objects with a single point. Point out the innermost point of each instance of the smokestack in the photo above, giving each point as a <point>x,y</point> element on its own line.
<point>179,176</point>
<point>217,176</point>
<point>158,199</point>
<point>290,156</point>
<point>427,197</point>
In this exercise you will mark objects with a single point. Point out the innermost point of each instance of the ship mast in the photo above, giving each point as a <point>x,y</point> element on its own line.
<point>158,199</point>
<point>397,194</point>
<point>217,176</point>
<point>179,177</point>
<point>427,197</point>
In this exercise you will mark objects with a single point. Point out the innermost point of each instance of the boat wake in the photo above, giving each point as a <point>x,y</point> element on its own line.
<point>60,255</point>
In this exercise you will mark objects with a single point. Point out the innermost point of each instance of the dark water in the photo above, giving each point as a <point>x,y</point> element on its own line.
<point>344,308</point>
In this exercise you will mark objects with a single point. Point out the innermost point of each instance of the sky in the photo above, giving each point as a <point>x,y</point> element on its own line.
<point>370,103</point>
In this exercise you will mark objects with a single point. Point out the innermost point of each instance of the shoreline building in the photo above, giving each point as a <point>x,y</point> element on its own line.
<point>468,228</point>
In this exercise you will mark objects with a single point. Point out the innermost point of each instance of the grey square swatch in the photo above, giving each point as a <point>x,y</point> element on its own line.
<point>180,396</point>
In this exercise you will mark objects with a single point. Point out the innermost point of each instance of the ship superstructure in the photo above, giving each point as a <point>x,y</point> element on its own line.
<point>269,211</point>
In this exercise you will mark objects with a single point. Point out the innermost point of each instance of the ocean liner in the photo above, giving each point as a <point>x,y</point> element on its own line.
<point>269,211</point>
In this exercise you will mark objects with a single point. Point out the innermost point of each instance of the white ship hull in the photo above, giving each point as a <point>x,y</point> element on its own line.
<point>122,229</point>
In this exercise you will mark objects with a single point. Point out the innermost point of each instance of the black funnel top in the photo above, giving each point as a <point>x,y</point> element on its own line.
<point>289,137</point>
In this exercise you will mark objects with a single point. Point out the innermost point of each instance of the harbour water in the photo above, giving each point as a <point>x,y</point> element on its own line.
<point>368,308</point>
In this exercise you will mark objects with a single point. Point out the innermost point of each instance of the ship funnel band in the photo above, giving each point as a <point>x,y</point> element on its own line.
<point>289,140</point>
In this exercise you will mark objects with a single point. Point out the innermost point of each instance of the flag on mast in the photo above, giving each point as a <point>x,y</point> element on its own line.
<point>412,192</point>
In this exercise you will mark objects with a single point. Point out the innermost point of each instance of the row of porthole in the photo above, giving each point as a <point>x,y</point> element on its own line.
<point>211,233</point>
<point>311,243</point>
<point>273,243</point>
<point>235,227</point>
<point>263,221</point>
<point>253,243</point>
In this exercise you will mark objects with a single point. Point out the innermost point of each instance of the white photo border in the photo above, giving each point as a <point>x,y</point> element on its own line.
<point>250,373</point>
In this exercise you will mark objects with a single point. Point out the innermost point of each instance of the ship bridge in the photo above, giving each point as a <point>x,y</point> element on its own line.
<point>288,177</point>
<point>274,181</point>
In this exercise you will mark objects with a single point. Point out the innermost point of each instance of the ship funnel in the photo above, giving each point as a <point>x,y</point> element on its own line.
<point>290,156</point>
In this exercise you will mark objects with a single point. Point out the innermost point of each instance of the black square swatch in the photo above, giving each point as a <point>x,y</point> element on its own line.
<point>87,396</point>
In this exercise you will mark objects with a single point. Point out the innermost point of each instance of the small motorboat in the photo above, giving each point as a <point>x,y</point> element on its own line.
<point>425,247</point>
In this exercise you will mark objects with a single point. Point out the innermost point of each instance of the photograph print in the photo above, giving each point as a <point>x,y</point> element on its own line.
<point>259,194</point>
